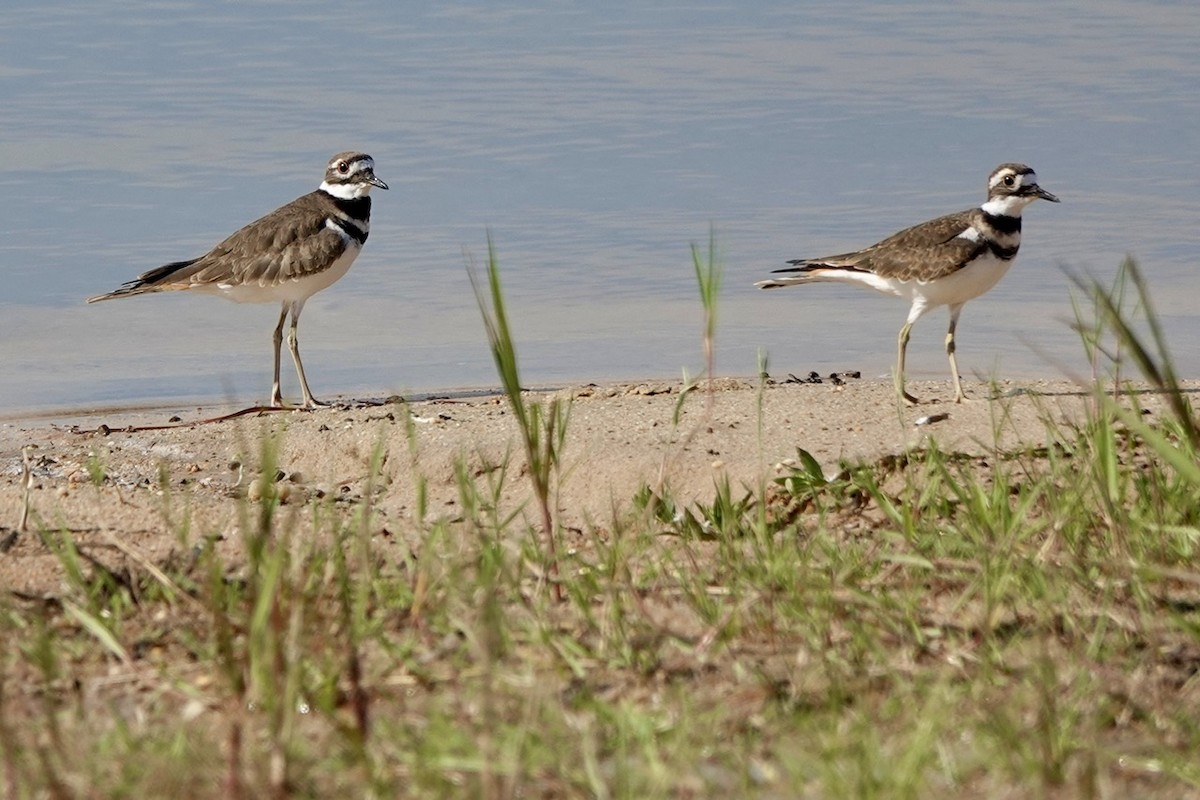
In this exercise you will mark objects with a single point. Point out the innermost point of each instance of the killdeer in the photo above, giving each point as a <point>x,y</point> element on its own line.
<point>286,257</point>
<point>943,262</point>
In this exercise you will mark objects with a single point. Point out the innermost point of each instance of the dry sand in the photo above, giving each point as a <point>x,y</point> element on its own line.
<point>620,437</point>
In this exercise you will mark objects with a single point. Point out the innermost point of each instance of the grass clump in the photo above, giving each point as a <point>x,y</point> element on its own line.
<point>542,429</point>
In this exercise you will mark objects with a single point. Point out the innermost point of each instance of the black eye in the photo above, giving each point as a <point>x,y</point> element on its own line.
<point>343,167</point>
<point>1009,180</point>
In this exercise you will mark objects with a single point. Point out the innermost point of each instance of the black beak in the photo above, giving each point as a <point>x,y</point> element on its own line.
<point>376,182</point>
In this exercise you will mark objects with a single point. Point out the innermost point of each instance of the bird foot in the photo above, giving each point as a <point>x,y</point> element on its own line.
<point>310,404</point>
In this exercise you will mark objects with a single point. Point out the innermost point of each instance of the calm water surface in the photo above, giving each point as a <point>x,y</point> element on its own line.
<point>595,142</point>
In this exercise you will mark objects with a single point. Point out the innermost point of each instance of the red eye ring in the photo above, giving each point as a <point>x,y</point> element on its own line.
<point>342,167</point>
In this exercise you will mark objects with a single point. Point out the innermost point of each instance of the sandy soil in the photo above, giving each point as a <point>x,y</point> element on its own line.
<point>164,467</point>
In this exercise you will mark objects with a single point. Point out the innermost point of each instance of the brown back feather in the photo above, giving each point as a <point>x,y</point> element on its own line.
<point>241,254</point>
<point>931,248</point>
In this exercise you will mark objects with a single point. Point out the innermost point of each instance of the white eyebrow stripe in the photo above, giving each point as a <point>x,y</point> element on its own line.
<point>1023,178</point>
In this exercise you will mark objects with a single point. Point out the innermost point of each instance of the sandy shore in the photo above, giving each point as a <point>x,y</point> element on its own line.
<point>162,468</point>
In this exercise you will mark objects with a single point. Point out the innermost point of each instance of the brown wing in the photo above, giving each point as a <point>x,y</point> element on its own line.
<point>927,251</point>
<point>288,243</point>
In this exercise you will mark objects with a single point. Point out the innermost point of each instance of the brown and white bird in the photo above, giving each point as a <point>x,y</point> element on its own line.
<point>943,262</point>
<point>285,257</point>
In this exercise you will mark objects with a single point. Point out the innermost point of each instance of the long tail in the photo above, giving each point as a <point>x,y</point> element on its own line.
<point>155,280</point>
<point>775,283</point>
<point>800,272</point>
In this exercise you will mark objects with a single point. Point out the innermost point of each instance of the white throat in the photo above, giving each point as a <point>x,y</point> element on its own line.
<point>346,191</point>
<point>1008,206</point>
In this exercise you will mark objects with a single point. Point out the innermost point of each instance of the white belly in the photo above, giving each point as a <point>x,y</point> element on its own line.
<point>287,291</point>
<point>968,283</point>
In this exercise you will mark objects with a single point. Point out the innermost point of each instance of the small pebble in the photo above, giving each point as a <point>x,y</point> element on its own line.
<point>193,709</point>
<point>255,490</point>
<point>260,489</point>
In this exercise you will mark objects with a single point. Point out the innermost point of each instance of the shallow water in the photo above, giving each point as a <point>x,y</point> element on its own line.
<point>595,142</point>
